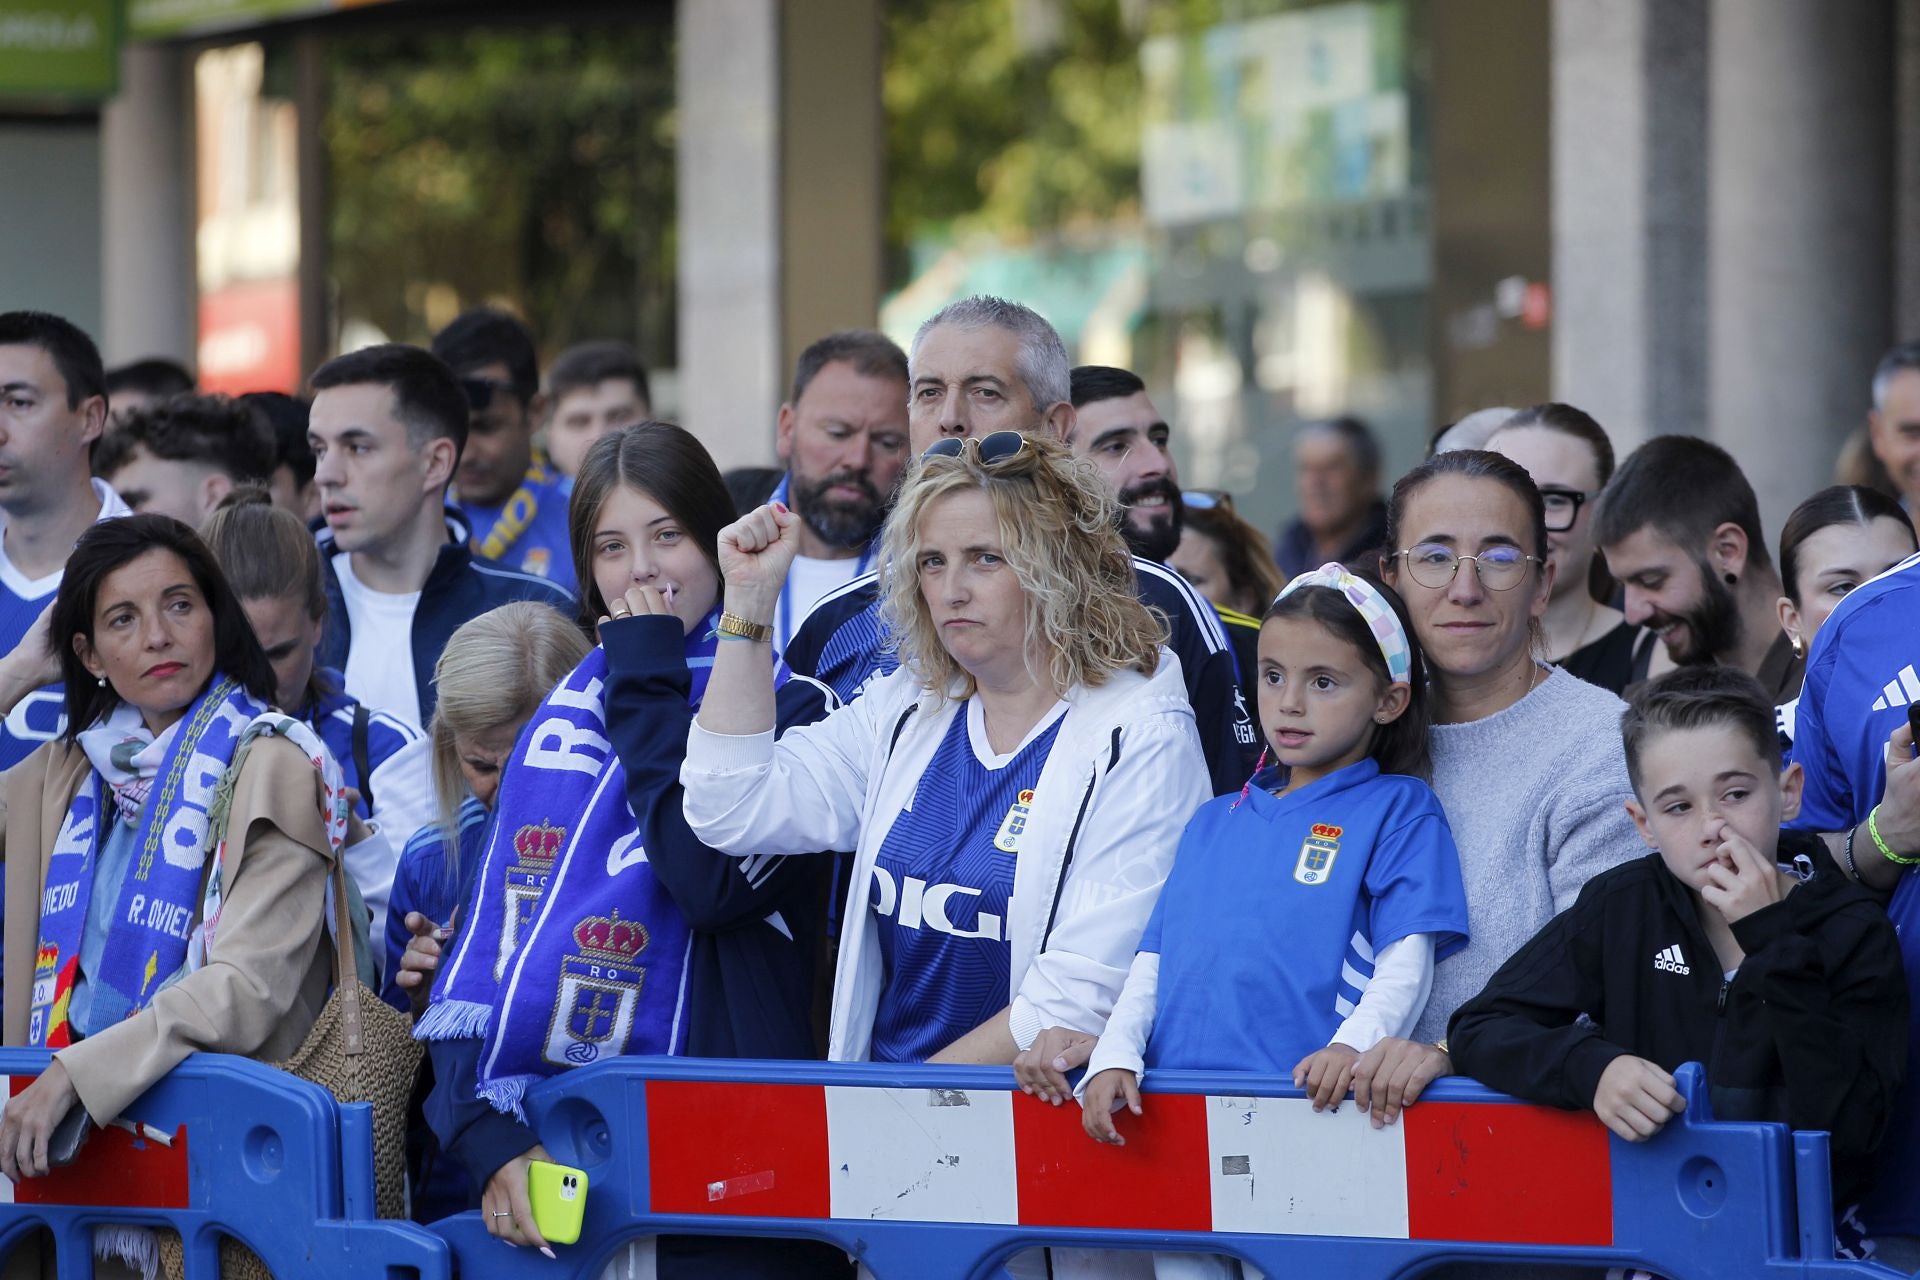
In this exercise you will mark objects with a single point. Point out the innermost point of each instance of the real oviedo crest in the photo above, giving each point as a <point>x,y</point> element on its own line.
<point>534,849</point>
<point>599,992</point>
<point>1317,853</point>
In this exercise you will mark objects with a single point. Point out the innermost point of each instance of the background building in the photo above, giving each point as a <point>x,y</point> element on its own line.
<point>1684,215</point>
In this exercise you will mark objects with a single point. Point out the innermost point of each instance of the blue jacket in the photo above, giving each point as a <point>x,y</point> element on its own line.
<point>756,922</point>
<point>460,586</point>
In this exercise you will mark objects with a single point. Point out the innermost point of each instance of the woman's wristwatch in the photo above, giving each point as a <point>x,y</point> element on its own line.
<point>733,626</point>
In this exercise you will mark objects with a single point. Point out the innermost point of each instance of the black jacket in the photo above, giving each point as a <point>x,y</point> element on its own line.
<point>459,587</point>
<point>1811,1030</point>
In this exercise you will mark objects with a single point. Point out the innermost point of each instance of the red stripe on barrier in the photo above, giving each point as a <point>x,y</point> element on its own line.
<point>1158,1181</point>
<point>1491,1172</point>
<point>113,1168</point>
<point>738,1149</point>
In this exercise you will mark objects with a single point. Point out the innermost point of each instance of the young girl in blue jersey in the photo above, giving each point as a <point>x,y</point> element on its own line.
<point>1303,917</point>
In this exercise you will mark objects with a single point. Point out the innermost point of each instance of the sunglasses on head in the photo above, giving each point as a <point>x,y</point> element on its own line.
<point>480,392</point>
<point>1207,499</point>
<point>989,449</point>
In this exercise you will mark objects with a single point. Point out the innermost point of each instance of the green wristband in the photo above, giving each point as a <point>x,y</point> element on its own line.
<point>1873,829</point>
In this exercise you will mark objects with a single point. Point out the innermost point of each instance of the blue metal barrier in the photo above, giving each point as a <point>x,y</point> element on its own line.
<point>947,1172</point>
<point>815,1151</point>
<point>225,1147</point>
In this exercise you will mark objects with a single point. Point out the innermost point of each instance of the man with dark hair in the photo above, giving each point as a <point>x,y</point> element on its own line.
<point>1336,484</point>
<point>843,435</point>
<point>386,428</point>
<point>511,499</point>
<point>180,456</point>
<point>1117,428</point>
<point>291,483</point>
<point>1893,424</point>
<point>1680,529</point>
<point>592,388</point>
<point>53,407</point>
<point>982,365</point>
<point>143,383</point>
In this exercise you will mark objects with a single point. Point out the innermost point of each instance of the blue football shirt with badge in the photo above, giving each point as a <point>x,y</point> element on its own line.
<point>942,880</point>
<point>1863,673</point>
<point>1276,906</point>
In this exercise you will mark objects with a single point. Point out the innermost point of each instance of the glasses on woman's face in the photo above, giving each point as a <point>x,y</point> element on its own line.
<point>1433,565</point>
<point>989,449</point>
<point>1563,508</point>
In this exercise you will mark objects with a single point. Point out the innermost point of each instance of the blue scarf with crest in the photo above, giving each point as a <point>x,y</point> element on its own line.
<point>572,951</point>
<point>160,898</point>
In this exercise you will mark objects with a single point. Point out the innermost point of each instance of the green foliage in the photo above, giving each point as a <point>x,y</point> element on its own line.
<point>529,166</point>
<point>1013,117</point>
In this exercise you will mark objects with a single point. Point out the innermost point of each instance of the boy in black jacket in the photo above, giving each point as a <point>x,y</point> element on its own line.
<point>1734,944</point>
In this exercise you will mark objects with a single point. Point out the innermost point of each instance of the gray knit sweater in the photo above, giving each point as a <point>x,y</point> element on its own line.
<point>1535,796</point>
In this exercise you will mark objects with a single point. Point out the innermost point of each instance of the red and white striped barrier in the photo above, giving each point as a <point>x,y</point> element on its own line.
<point>122,1165</point>
<point>1268,1166</point>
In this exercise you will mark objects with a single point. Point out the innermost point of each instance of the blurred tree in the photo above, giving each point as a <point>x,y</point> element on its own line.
<point>525,166</point>
<point>1013,117</point>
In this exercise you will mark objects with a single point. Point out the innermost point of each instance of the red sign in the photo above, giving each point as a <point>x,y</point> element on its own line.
<point>250,337</point>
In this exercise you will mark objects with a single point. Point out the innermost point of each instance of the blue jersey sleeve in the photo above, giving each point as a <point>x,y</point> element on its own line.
<point>1860,681</point>
<point>1413,878</point>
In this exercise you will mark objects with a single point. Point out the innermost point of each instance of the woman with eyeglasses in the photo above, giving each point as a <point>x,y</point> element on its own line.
<point>1013,792</point>
<point>1570,458</point>
<point>1527,760</point>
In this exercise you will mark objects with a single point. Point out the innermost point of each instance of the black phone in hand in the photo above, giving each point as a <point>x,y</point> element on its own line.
<point>69,1136</point>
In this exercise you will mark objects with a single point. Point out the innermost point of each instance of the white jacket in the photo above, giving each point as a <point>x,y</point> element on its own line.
<point>1124,775</point>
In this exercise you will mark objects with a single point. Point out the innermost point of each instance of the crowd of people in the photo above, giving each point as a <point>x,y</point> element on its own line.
<point>967,735</point>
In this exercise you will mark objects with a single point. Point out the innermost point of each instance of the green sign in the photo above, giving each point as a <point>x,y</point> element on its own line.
<point>59,49</point>
<point>161,19</point>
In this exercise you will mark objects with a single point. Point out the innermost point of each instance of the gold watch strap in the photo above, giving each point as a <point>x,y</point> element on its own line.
<point>732,624</point>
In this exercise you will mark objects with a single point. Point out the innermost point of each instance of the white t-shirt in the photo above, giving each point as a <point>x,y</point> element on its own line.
<point>807,582</point>
<point>380,655</point>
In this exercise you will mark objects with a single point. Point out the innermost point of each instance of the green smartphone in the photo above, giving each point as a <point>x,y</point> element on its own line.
<point>558,1194</point>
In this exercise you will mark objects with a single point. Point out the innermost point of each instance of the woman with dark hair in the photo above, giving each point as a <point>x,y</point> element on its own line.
<point>166,687</point>
<point>1527,760</point>
<point>1570,459</point>
<point>1224,557</point>
<point>589,855</point>
<point>270,559</point>
<point>1833,542</point>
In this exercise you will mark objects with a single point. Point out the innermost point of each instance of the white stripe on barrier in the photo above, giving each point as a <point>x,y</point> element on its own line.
<point>926,1155</point>
<point>1277,1168</point>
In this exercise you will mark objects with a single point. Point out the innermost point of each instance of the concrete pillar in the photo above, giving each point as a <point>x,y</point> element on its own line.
<point>1906,173</point>
<point>832,198</point>
<point>1629,213</point>
<point>729,207</point>
<point>1800,263</point>
<point>146,203</point>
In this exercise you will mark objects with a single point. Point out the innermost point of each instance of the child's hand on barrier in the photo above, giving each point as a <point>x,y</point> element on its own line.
<point>1104,1094</point>
<point>1326,1074</point>
<point>1636,1098</point>
<point>504,1202</point>
<point>1042,1068</point>
<point>1389,1078</point>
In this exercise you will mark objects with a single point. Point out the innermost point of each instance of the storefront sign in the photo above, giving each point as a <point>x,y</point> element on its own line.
<point>59,49</point>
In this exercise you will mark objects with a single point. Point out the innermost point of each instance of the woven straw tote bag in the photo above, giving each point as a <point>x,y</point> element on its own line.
<point>360,1049</point>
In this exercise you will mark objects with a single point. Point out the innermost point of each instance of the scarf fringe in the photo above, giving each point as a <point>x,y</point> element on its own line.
<point>454,1020</point>
<point>135,1246</point>
<point>506,1095</point>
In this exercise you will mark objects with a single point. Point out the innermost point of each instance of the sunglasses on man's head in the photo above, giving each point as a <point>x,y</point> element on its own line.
<point>989,449</point>
<point>480,392</point>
